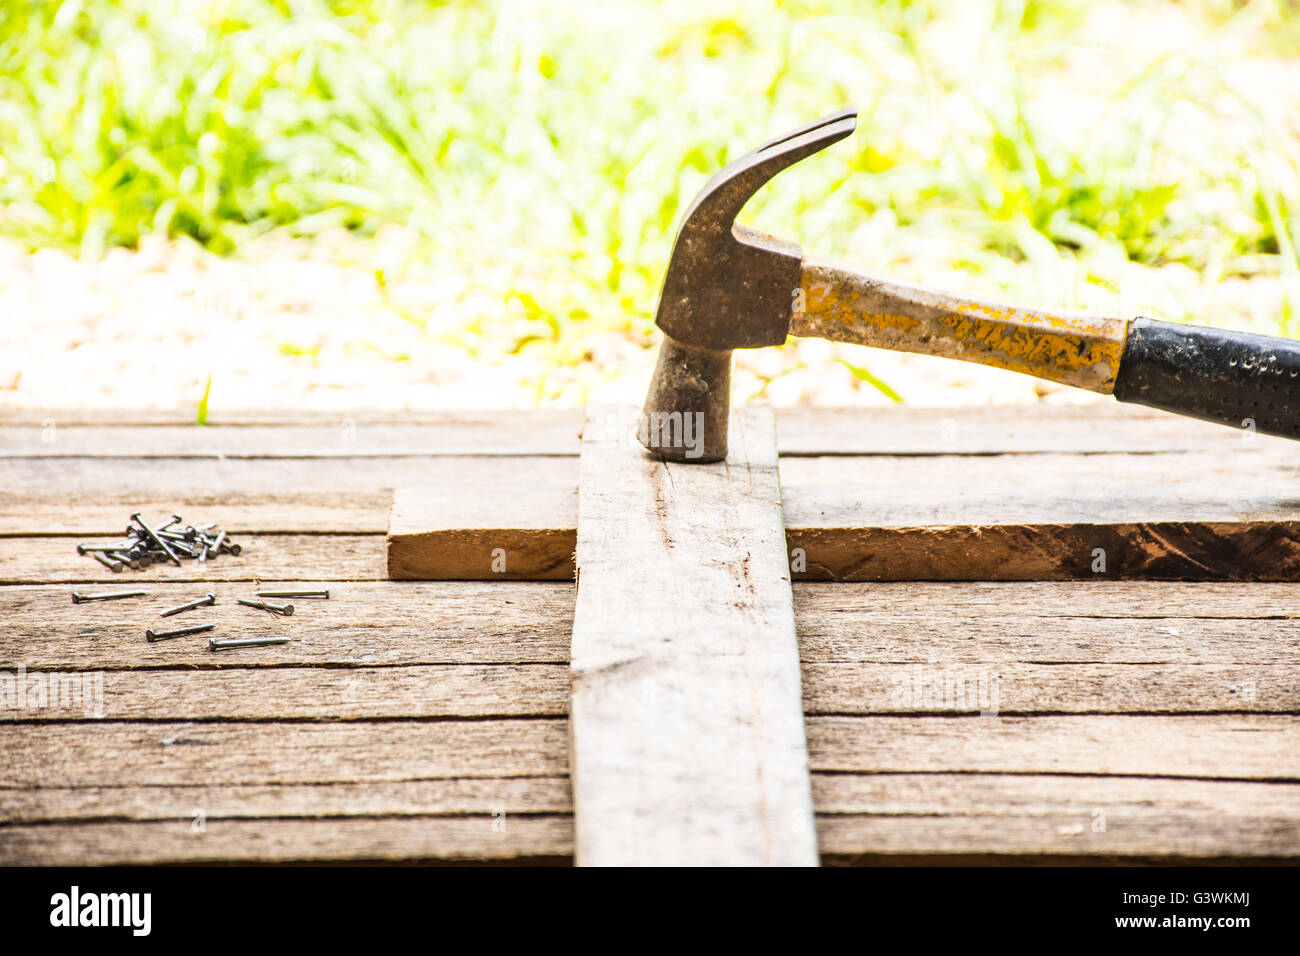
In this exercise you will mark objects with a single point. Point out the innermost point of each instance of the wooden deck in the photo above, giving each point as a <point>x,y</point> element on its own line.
<point>426,721</point>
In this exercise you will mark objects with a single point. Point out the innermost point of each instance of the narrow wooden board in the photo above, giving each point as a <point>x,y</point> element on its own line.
<point>439,796</point>
<point>363,624</point>
<point>1177,650</point>
<point>1231,747</point>
<point>383,624</point>
<point>873,819</point>
<point>686,727</point>
<point>523,690</point>
<point>901,795</point>
<point>1194,516</point>
<point>129,753</point>
<point>411,839</point>
<point>927,513</point>
<point>911,430</point>
<point>266,557</point>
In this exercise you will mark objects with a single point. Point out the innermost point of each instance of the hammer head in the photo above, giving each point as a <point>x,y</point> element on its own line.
<point>727,287</point>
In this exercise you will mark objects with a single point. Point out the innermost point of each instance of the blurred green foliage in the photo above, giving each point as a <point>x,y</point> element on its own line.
<point>561,140</point>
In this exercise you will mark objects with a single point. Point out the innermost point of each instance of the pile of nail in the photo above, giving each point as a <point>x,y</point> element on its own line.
<point>145,545</point>
<point>208,600</point>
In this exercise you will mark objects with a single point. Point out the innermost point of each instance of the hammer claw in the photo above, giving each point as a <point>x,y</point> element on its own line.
<point>834,127</point>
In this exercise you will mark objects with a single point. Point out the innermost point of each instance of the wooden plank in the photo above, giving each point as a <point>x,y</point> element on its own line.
<point>1009,689</point>
<point>89,754</point>
<point>914,795</point>
<point>1042,601</point>
<point>383,798</point>
<point>686,725</point>
<point>802,430</point>
<point>1172,840</point>
<point>850,518</point>
<point>888,518</point>
<point>412,839</point>
<point>267,557</point>
<point>947,624</point>
<point>336,436</point>
<point>899,818</point>
<point>364,624</point>
<point>296,693</point>
<point>1224,747</point>
<point>1026,818</point>
<point>96,496</point>
<point>427,538</point>
<point>524,690</point>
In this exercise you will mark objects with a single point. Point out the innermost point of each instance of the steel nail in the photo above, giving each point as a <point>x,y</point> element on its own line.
<point>229,643</point>
<point>285,609</point>
<point>106,596</point>
<point>323,594</point>
<point>111,563</point>
<point>151,635</point>
<point>88,548</point>
<point>205,601</point>
<point>157,540</point>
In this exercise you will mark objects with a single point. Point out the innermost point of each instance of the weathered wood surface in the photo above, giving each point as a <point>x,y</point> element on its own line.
<point>383,624</point>
<point>364,692</point>
<point>1087,429</point>
<point>869,494</point>
<point>1199,515</point>
<point>687,737</point>
<point>1104,685</point>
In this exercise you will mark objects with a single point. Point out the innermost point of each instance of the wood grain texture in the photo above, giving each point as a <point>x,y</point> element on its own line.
<point>406,719</point>
<point>1101,426</point>
<point>877,819</point>
<point>686,726</point>
<point>1051,516</point>
<point>363,624</point>
<point>1234,747</point>
<point>267,557</point>
<point>429,536</point>
<point>311,775</point>
<point>940,510</point>
<point>454,796</point>
<point>412,839</point>
<point>269,692</point>
<point>376,623</point>
<point>127,754</point>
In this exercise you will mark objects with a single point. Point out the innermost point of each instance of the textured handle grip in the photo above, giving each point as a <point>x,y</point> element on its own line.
<point>1232,378</point>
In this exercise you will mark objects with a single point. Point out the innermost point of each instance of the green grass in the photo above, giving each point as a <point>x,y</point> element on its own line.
<point>558,143</point>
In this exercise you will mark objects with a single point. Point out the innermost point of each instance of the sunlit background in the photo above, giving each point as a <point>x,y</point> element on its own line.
<point>398,203</point>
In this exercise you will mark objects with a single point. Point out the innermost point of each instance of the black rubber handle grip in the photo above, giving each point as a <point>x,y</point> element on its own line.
<point>1233,378</point>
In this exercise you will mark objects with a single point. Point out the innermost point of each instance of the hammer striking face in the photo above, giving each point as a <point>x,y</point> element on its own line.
<point>728,287</point>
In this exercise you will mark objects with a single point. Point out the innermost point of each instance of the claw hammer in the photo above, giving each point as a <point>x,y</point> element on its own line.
<point>728,287</point>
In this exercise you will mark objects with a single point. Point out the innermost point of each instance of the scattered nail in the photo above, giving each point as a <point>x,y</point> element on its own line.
<point>205,601</point>
<point>216,645</point>
<point>151,635</point>
<point>157,539</point>
<point>106,596</point>
<point>111,563</point>
<point>294,594</point>
<point>285,609</point>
